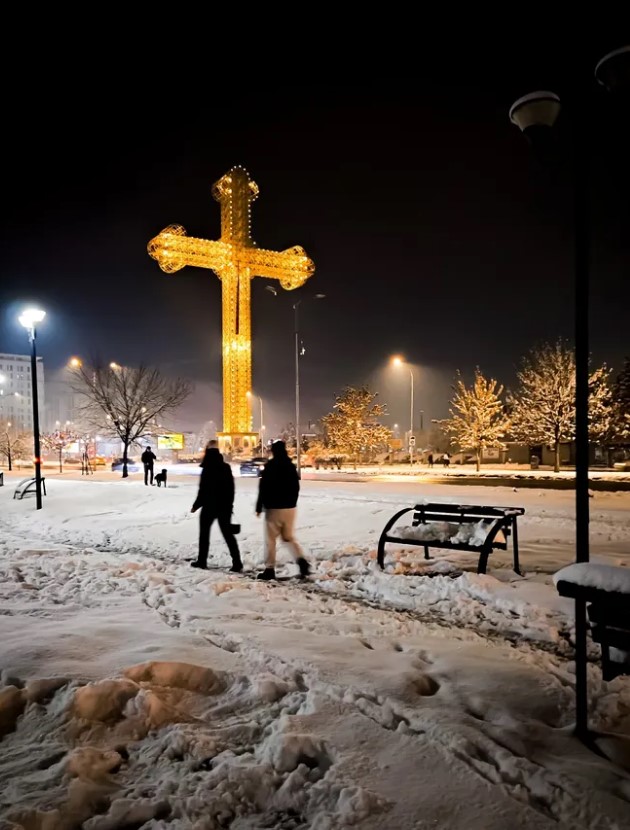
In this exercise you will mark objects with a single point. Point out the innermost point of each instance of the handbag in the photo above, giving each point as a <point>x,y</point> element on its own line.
<point>235,528</point>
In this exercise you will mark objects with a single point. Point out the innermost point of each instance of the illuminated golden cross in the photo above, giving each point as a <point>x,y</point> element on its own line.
<point>235,260</point>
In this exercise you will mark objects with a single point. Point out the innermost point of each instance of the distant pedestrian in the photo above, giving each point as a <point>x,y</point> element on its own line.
<point>430,459</point>
<point>148,459</point>
<point>278,492</point>
<point>446,459</point>
<point>215,497</point>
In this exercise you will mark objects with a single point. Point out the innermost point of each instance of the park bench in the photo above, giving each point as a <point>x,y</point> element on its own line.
<point>27,485</point>
<point>475,529</point>
<point>606,591</point>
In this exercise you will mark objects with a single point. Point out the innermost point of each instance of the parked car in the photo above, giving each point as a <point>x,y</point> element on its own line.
<point>253,467</point>
<point>133,465</point>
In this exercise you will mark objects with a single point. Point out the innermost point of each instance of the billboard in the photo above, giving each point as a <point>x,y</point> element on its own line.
<point>171,441</point>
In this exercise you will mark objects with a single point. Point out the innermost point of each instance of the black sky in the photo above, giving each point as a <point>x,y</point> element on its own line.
<point>434,232</point>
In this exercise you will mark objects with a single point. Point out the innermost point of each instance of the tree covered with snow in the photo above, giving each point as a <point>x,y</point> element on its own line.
<point>14,444</point>
<point>127,401</point>
<point>621,405</point>
<point>478,416</point>
<point>353,428</point>
<point>600,406</point>
<point>542,410</point>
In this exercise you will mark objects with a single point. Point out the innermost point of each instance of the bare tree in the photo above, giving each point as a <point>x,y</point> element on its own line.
<point>13,444</point>
<point>58,441</point>
<point>127,401</point>
<point>477,415</point>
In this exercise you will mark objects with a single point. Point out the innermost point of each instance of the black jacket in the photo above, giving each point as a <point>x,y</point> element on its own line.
<point>216,486</point>
<point>279,485</point>
<point>148,458</point>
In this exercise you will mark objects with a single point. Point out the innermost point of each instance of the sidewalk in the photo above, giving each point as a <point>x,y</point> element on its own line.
<point>497,476</point>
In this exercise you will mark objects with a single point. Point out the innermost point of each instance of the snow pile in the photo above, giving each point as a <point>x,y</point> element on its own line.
<point>473,534</point>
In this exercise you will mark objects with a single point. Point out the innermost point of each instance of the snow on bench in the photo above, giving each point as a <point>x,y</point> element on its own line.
<point>606,590</point>
<point>455,527</point>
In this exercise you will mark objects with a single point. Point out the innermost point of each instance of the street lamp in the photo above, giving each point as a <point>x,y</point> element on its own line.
<point>262,426</point>
<point>535,114</point>
<point>299,352</point>
<point>398,361</point>
<point>29,319</point>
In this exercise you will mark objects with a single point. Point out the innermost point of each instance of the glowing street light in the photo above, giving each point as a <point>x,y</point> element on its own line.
<point>114,366</point>
<point>75,363</point>
<point>29,319</point>
<point>398,362</point>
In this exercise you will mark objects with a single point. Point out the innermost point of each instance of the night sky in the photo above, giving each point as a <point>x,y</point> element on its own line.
<point>434,231</point>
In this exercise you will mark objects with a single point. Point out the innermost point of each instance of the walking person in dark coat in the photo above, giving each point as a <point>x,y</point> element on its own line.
<point>148,458</point>
<point>278,492</point>
<point>216,500</point>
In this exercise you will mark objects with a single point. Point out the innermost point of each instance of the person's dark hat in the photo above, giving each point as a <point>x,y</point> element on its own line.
<point>279,448</point>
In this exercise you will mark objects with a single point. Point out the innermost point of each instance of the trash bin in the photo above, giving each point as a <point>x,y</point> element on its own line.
<point>534,462</point>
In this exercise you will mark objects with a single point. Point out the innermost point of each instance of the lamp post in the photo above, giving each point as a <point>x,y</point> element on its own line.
<point>299,351</point>
<point>535,114</point>
<point>29,319</point>
<point>262,423</point>
<point>398,361</point>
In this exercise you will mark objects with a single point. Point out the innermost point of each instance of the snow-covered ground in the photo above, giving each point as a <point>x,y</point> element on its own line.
<point>139,693</point>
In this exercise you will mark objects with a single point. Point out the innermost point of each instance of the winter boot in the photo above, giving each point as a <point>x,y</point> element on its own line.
<point>198,564</point>
<point>304,567</point>
<point>267,574</point>
<point>237,567</point>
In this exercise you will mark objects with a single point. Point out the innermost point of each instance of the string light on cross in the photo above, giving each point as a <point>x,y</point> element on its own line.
<point>235,259</point>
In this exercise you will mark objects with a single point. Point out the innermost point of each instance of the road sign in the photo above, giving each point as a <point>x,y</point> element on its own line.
<point>412,440</point>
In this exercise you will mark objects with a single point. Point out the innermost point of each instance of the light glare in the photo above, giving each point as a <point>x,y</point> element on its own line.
<point>30,316</point>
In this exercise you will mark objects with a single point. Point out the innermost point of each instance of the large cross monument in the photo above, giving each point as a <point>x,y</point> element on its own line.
<point>235,259</point>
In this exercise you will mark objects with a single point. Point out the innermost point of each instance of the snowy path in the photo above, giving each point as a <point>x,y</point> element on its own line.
<point>364,699</point>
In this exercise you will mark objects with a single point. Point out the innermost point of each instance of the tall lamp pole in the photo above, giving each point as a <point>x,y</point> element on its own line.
<point>535,114</point>
<point>262,427</point>
<point>398,361</point>
<point>299,351</point>
<point>29,318</point>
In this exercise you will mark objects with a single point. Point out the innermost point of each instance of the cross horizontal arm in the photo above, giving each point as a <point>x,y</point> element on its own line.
<point>173,250</point>
<point>292,267</point>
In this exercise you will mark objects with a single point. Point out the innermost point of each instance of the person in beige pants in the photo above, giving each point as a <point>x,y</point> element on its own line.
<point>278,492</point>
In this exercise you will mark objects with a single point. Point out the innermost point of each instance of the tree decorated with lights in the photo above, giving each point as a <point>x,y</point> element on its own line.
<point>353,427</point>
<point>127,401</point>
<point>542,411</point>
<point>478,418</point>
<point>13,443</point>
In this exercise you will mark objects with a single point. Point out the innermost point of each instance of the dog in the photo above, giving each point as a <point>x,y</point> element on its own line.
<point>160,478</point>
